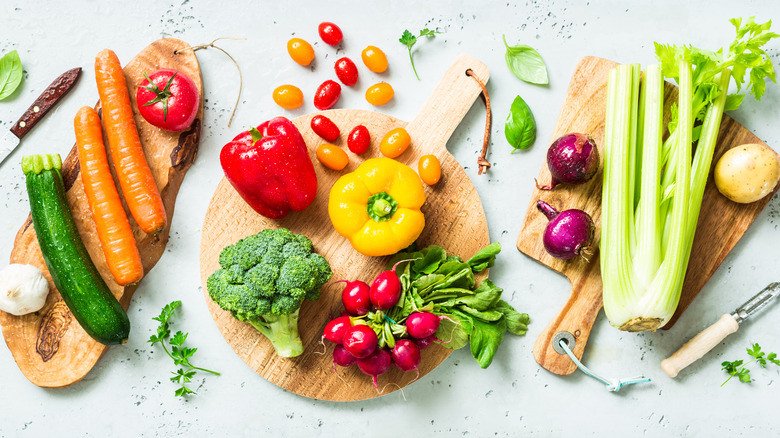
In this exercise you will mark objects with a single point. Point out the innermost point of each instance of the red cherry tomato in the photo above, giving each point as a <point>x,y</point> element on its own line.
<point>359,139</point>
<point>170,101</point>
<point>347,71</point>
<point>327,95</point>
<point>330,33</point>
<point>325,128</point>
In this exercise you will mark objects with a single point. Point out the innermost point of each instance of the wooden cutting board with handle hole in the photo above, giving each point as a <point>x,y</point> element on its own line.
<point>49,346</point>
<point>721,222</point>
<point>454,220</point>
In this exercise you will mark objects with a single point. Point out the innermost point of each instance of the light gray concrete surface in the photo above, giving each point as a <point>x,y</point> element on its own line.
<point>128,392</point>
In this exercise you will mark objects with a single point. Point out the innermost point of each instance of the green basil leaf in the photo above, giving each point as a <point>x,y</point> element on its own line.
<point>485,258</point>
<point>10,73</point>
<point>520,126</point>
<point>516,322</point>
<point>526,63</point>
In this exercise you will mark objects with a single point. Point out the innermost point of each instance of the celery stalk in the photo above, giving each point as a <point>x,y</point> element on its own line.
<point>653,187</point>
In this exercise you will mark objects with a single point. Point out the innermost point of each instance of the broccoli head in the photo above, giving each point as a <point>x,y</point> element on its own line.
<point>264,279</point>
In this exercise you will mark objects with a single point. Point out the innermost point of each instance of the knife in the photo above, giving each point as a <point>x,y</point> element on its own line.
<point>705,341</point>
<point>37,110</point>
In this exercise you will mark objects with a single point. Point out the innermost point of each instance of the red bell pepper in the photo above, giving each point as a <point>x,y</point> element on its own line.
<point>270,168</point>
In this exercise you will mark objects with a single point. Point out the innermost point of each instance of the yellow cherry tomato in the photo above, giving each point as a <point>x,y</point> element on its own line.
<point>332,157</point>
<point>429,169</point>
<point>288,96</point>
<point>395,142</point>
<point>379,94</point>
<point>300,51</point>
<point>374,59</point>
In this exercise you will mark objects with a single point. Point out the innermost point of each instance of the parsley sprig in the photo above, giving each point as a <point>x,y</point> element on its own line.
<point>409,40</point>
<point>179,353</point>
<point>739,367</point>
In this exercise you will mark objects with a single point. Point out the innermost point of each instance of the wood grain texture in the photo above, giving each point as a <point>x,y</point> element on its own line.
<point>721,222</point>
<point>50,347</point>
<point>454,219</point>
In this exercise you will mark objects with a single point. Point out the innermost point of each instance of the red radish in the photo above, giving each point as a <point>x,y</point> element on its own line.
<point>335,330</point>
<point>386,289</point>
<point>347,71</point>
<point>325,128</point>
<point>375,364</point>
<point>424,343</point>
<point>360,341</point>
<point>359,140</point>
<point>420,325</point>
<point>568,234</point>
<point>342,358</point>
<point>355,298</point>
<point>406,355</point>
<point>572,159</point>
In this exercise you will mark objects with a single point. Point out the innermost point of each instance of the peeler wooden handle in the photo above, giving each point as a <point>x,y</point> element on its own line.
<point>700,345</point>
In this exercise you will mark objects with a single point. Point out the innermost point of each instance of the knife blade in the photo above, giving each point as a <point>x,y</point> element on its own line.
<point>50,96</point>
<point>705,341</point>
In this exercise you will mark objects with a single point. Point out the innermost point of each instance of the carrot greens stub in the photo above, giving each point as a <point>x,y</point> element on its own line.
<point>653,187</point>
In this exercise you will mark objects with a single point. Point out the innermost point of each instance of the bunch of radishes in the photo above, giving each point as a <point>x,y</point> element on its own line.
<point>367,336</point>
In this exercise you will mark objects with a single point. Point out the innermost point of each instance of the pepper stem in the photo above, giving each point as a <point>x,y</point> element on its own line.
<point>381,206</point>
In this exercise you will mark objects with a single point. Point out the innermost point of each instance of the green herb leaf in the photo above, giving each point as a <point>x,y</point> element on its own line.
<point>409,40</point>
<point>736,368</point>
<point>526,63</point>
<point>516,322</point>
<point>485,339</point>
<point>178,353</point>
<point>520,126</point>
<point>10,73</point>
<point>485,258</point>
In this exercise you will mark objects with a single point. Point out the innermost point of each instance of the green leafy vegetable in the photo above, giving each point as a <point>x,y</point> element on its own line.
<point>10,73</point>
<point>526,63</point>
<point>445,285</point>
<point>653,189</point>
<point>179,352</point>
<point>520,126</point>
<point>739,368</point>
<point>409,40</point>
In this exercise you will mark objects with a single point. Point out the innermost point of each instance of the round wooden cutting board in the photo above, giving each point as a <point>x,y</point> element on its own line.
<point>454,218</point>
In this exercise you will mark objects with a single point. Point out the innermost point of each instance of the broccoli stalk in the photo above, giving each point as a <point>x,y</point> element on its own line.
<point>264,280</point>
<point>282,331</point>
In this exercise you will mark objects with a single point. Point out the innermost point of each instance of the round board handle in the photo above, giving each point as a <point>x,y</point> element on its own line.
<point>447,105</point>
<point>700,345</point>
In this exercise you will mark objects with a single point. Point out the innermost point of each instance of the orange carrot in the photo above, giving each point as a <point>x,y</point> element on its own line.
<point>135,178</point>
<point>113,228</point>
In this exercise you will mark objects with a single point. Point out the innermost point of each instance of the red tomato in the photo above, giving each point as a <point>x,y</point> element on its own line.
<point>359,140</point>
<point>330,33</point>
<point>327,95</point>
<point>325,128</point>
<point>170,101</point>
<point>347,71</point>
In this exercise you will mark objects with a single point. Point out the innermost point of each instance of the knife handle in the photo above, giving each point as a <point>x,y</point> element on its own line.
<point>700,345</point>
<point>45,102</point>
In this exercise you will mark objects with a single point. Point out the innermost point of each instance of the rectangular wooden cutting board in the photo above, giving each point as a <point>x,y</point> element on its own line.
<point>721,222</point>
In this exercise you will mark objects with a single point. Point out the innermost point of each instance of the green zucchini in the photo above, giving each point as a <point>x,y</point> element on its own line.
<point>76,277</point>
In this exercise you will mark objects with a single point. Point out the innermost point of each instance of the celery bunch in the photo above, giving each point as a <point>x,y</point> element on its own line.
<point>653,188</point>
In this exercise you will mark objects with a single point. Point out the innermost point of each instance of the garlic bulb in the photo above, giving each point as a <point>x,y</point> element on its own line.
<point>23,289</point>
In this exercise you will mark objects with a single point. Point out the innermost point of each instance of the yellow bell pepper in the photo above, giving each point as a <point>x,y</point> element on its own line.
<point>377,207</point>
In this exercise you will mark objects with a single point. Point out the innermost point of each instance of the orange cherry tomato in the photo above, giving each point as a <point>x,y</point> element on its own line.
<point>374,59</point>
<point>429,169</point>
<point>395,142</point>
<point>379,94</point>
<point>332,157</point>
<point>300,51</point>
<point>288,96</point>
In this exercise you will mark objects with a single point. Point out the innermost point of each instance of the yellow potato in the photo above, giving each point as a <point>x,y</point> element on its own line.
<point>747,173</point>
